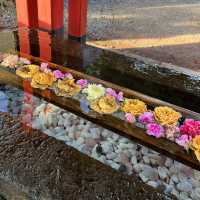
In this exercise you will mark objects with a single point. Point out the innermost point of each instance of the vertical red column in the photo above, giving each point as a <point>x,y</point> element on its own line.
<point>50,14</point>
<point>45,45</point>
<point>27,15</point>
<point>24,42</point>
<point>77,25</point>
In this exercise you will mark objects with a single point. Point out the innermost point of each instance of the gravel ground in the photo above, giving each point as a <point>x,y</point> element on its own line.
<point>119,153</point>
<point>38,167</point>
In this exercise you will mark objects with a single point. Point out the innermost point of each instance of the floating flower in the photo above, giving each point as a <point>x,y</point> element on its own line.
<point>84,105</point>
<point>130,118</point>
<point>166,116</point>
<point>146,118</point>
<point>190,127</point>
<point>184,141</point>
<point>69,76</point>
<point>111,92</point>
<point>171,132</point>
<point>197,154</point>
<point>94,91</point>
<point>42,80</point>
<point>82,83</point>
<point>120,96</point>
<point>44,68</point>
<point>105,105</point>
<point>134,106</point>
<point>24,61</point>
<point>27,71</point>
<point>155,130</point>
<point>67,87</point>
<point>195,145</point>
<point>10,61</point>
<point>196,142</point>
<point>58,74</point>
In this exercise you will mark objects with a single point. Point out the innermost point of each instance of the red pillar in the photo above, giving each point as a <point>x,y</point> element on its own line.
<point>45,45</point>
<point>77,25</point>
<point>24,42</point>
<point>27,15</point>
<point>50,14</point>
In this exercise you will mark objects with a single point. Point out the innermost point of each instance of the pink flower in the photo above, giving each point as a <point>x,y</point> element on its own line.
<point>58,74</point>
<point>44,68</point>
<point>155,130</point>
<point>184,140</point>
<point>146,118</point>
<point>113,93</point>
<point>82,83</point>
<point>68,75</point>
<point>130,118</point>
<point>24,61</point>
<point>171,132</point>
<point>190,128</point>
<point>120,96</point>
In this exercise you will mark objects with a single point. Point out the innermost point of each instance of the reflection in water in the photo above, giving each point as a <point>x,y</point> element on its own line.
<point>171,85</point>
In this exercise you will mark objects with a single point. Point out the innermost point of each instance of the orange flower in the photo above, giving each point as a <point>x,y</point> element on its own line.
<point>105,105</point>
<point>67,87</point>
<point>134,106</point>
<point>197,154</point>
<point>166,116</point>
<point>27,71</point>
<point>42,80</point>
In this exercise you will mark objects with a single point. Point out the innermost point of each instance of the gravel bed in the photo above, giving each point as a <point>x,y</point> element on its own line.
<point>109,148</point>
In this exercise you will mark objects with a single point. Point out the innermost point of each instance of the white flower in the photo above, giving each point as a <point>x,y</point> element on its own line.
<point>94,91</point>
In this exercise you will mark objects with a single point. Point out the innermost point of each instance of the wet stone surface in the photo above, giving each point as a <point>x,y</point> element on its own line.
<point>44,168</point>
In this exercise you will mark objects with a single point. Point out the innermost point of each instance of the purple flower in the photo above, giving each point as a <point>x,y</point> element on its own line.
<point>146,118</point>
<point>184,140</point>
<point>111,92</point>
<point>155,130</point>
<point>120,96</point>
<point>130,118</point>
<point>68,75</point>
<point>82,83</point>
<point>58,74</point>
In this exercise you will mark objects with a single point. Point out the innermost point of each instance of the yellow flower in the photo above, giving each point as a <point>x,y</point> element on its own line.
<point>42,80</point>
<point>27,71</point>
<point>94,91</point>
<point>105,105</point>
<point>67,87</point>
<point>166,116</point>
<point>197,154</point>
<point>196,142</point>
<point>134,106</point>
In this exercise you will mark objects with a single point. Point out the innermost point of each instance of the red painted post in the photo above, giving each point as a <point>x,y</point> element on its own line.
<point>45,45</point>
<point>27,15</point>
<point>24,43</point>
<point>50,14</point>
<point>77,19</point>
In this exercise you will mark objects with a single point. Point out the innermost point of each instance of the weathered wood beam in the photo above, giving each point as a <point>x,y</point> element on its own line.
<point>111,122</point>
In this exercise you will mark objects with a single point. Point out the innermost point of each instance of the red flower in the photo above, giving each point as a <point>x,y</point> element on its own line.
<point>190,127</point>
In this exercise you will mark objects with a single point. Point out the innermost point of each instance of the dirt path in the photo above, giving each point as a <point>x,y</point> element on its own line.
<point>165,30</point>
